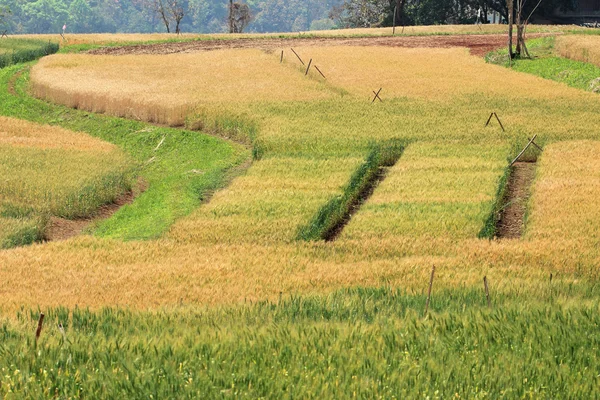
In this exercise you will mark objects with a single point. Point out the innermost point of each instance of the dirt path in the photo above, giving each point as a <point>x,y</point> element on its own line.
<point>512,217</point>
<point>478,44</point>
<point>62,229</point>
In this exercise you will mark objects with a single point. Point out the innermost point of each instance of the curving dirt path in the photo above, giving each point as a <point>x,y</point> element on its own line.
<point>478,44</point>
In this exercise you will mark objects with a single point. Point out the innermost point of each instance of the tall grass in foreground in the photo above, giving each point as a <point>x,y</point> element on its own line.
<point>15,51</point>
<point>354,343</point>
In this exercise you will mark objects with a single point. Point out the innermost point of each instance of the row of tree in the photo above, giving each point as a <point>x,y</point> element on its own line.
<point>200,16</point>
<point>369,13</point>
<point>206,16</point>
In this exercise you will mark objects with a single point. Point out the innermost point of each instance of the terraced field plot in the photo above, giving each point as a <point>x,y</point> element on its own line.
<point>309,137</point>
<point>53,172</point>
<point>430,208</point>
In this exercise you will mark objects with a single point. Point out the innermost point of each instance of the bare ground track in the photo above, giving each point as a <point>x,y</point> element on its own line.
<point>479,45</point>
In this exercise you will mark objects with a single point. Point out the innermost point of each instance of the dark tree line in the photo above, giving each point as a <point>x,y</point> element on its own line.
<point>201,16</point>
<point>207,16</point>
<point>368,13</point>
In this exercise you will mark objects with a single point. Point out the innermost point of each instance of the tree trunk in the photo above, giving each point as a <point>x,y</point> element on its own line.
<point>519,27</point>
<point>510,29</point>
<point>230,16</point>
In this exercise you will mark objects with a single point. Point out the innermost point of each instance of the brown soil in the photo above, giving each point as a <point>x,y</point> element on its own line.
<point>333,233</point>
<point>62,229</point>
<point>478,44</point>
<point>511,224</point>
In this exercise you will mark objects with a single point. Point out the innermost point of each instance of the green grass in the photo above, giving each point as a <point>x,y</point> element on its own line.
<point>360,343</point>
<point>327,220</point>
<point>14,51</point>
<point>180,173</point>
<point>546,64</point>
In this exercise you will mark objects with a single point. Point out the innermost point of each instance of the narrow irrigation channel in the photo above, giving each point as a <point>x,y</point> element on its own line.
<point>330,220</point>
<point>511,223</point>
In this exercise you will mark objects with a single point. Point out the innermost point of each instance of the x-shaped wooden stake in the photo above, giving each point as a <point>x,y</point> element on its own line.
<point>377,96</point>
<point>4,34</point>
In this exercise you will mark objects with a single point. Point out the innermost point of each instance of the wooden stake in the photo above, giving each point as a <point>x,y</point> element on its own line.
<point>394,30</point>
<point>501,126</point>
<point>377,96</point>
<point>298,56</point>
<point>39,328</point>
<point>281,57</point>
<point>535,144</point>
<point>430,286</point>
<point>317,68</point>
<point>487,291</point>
<point>308,68</point>
<point>550,277</point>
<point>498,119</point>
<point>525,149</point>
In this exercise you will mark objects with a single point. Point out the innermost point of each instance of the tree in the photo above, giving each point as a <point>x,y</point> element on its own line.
<point>361,13</point>
<point>239,16</point>
<point>4,14</point>
<point>177,10</point>
<point>159,8</point>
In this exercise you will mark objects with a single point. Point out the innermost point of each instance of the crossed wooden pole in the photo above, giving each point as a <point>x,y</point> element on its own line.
<point>309,63</point>
<point>4,34</point>
<point>377,96</point>
<point>531,142</point>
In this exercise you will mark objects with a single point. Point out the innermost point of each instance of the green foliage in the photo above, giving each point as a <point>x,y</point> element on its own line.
<point>547,65</point>
<point>365,178</point>
<point>180,172</point>
<point>355,342</point>
<point>15,51</point>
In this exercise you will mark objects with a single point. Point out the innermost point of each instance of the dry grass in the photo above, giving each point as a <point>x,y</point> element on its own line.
<point>430,74</point>
<point>428,211</point>
<point>18,133</point>
<point>118,85</point>
<point>564,204</point>
<point>584,48</point>
<point>52,171</point>
<point>117,38</point>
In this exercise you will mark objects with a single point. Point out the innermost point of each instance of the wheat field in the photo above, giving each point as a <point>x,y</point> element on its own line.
<point>50,171</point>
<point>584,48</point>
<point>241,245</point>
<point>121,38</point>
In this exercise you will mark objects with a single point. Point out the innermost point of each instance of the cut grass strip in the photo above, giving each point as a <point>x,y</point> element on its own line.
<point>180,173</point>
<point>547,64</point>
<point>333,216</point>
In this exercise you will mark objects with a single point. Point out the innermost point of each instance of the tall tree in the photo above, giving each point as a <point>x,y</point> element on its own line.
<point>160,8</point>
<point>177,10</point>
<point>239,16</point>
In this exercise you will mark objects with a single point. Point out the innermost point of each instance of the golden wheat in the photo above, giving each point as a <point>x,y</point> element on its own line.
<point>584,48</point>
<point>239,246</point>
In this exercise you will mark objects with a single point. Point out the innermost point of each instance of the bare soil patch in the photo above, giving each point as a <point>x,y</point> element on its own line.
<point>62,229</point>
<point>511,223</point>
<point>479,45</point>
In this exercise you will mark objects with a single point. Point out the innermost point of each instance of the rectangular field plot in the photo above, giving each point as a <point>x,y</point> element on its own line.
<point>437,189</point>
<point>564,203</point>
<point>269,203</point>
